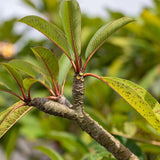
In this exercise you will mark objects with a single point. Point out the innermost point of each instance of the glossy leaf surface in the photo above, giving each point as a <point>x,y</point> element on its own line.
<point>11,115</point>
<point>138,98</point>
<point>71,18</point>
<point>104,33</point>
<point>49,30</point>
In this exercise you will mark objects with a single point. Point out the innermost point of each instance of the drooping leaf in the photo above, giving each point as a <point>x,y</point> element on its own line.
<point>25,67</point>
<point>71,18</point>
<point>138,98</point>
<point>48,61</point>
<point>11,115</point>
<point>49,30</point>
<point>28,82</point>
<point>64,66</point>
<point>104,33</point>
<point>14,73</point>
<point>50,152</point>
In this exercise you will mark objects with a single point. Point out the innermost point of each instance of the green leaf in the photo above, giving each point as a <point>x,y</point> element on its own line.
<point>70,142</point>
<point>49,30</point>
<point>11,115</point>
<point>14,73</point>
<point>4,88</point>
<point>25,67</point>
<point>50,153</point>
<point>28,82</point>
<point>104,33</point>
<point>138,98</point>
<point>71,18</point>
<point>48,62</point>
<point>64,67</point>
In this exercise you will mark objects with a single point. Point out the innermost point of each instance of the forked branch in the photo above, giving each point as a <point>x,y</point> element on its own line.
<point>87,124</point>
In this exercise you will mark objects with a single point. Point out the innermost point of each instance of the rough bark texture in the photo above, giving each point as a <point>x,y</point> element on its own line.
<point>78,92</point>
<point>104,138</point>
<point>63,108</point>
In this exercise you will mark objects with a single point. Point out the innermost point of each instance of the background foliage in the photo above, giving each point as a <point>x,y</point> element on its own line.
<point>133,54</point>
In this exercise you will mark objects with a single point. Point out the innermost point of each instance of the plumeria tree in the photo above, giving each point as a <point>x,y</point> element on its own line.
<point>52,73</point>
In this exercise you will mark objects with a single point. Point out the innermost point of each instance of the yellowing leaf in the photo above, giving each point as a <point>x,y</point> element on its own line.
<point>138,98</point>
<point>10,116</point>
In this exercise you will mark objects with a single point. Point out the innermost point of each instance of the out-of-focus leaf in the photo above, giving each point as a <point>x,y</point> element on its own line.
<point>104,33</point>
<point>149,78</point>
<point>10,116</point>
<point>4,88</point>
<point>69,142</point>
<point>25,67</point>
<point>9,146</point>
<point>28,82</point>
<point>49,30</point>
<point>64,67</point>
<point>48,62</point>
<point>71,18</point>
<point>14,73</point>
<point>49,152</point>
<point>138,98</point>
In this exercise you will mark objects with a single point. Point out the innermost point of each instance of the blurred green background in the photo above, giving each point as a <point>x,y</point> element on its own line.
<point>133,53</point>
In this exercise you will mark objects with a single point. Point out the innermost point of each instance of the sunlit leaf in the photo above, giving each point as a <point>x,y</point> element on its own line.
<point>11,115</point>
<point>48,61</point>
<point>138,98</point>
<point>71,18</point>
<point>50,153</point>
<point>28,82</point>
<point>104,33</point>
<point>25,67</point>
<point>49,30</point>
<point>64,66</point>
<point>14,73</point>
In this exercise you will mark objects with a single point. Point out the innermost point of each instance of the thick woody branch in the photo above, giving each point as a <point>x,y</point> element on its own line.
<point>63,108</point>
<point>53,108</point>
<point>87,124</point>
<point>78,91</point>
<point>99,134</point>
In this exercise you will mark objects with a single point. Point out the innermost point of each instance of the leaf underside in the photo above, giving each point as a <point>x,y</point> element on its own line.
<point>138,98</point>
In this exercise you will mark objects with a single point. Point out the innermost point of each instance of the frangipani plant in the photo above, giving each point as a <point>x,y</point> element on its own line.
<point>52,73</point>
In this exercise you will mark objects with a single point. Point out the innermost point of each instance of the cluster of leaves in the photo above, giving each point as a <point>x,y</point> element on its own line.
<point>51,74</point>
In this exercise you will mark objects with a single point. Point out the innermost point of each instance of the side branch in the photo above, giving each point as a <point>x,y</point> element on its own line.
<point>53,108</point>
<point>97,132</point>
